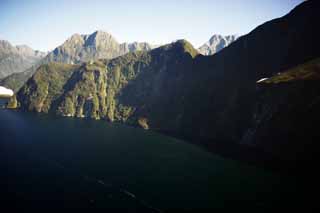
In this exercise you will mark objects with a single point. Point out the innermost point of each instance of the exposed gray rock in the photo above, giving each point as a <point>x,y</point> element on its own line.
<point>16,59</point>
<point>98,45</point>
<point>217,43</point>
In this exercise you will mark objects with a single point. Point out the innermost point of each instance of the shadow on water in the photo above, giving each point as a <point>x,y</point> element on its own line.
<point>35,180</point>
<point>50,162</point>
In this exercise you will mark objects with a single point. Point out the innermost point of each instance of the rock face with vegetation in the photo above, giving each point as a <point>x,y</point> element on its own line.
<point>217,101</point>
<point>45,87</point>
<point>123,89</point>
<point>16,59</point>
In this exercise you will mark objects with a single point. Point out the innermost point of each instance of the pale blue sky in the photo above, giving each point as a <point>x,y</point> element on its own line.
<point>45,24</point>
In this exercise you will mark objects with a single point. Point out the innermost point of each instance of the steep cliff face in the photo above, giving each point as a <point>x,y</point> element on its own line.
<point>45,87</point>
<point>130,88</point>
<point>86,93</point>
<point>157,92</point>
<point>285,113</point>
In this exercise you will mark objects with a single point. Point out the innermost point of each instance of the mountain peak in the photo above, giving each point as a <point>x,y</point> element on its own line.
<point>101,32</point>
<point>75,39</point>
<point>98,45</point>
<point>182,41</point>
<point>183,44</point>
<point>216,43</point>
<point>217,37</point>
<point>99,38</point>
<point>75,36</point>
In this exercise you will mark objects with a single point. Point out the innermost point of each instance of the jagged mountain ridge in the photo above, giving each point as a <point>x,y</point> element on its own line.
<point>16,59</point>
<point>216,43</point>
<point>85,45</point>
<point>98,45</point>
<point>77,49</point>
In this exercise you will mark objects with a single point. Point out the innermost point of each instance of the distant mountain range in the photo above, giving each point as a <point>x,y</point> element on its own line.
<point>15,59</point>
<point>102,45</point>
<point>17,64</point>
<point>98,45</point>
<point>257,99</point>
<point>77,49</point>
<point>216,43</point>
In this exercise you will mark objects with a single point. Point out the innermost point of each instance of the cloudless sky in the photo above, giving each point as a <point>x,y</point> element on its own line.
<point>45,24</point>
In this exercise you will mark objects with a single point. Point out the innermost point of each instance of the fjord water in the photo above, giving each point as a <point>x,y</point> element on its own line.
<point>50,162</point>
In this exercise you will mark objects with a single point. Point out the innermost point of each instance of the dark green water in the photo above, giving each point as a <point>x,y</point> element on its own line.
<point>51,162</point>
